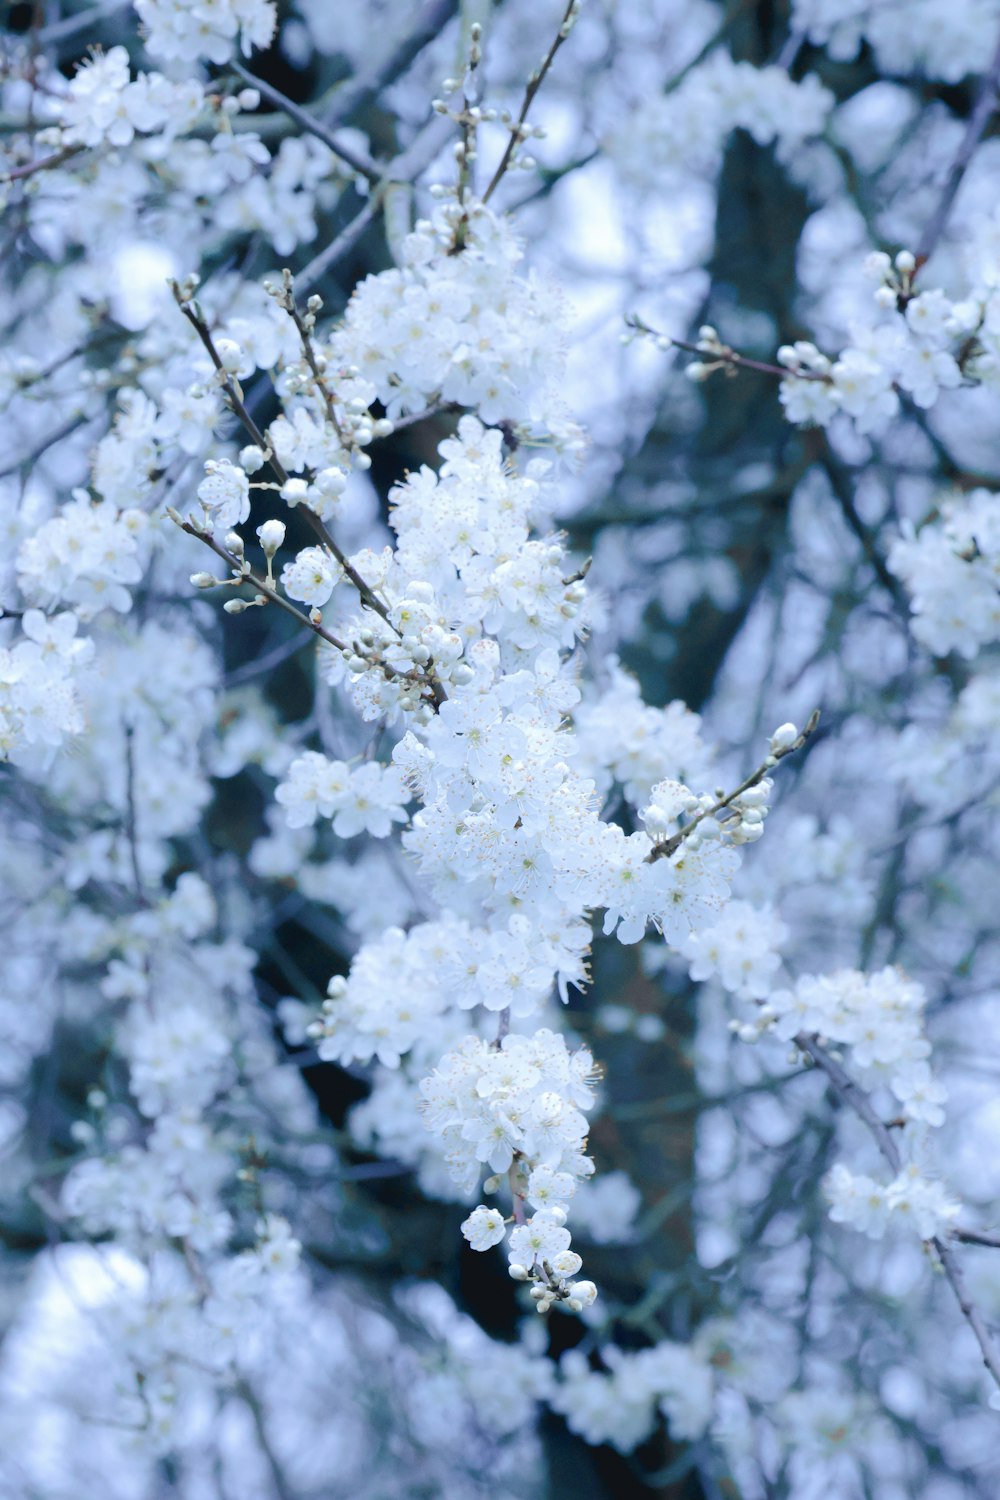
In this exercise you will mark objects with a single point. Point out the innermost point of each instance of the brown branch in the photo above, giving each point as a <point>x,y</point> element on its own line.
<point>344,242</point>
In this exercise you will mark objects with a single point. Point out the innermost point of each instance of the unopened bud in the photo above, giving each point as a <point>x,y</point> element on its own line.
<point>271,536</point>
<point>783,738</point>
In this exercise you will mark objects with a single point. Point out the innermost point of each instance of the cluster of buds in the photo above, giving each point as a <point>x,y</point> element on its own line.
<point>747,812</point>
<point>551,1278</point>
<point>319,491</point>
<point>894,279</point>
<point>335,991</point>
<point>412,651</point>
<point>803,360</point>
<point>721,356</point>
<point>348,411</point>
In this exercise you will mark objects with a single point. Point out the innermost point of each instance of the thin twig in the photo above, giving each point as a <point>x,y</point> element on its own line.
<point>260,584</point>
<point>43,164</point>
<point>359,161</point>
<point>193,315</point>
<point>66,430</point>
<point>534,84</point>
<point>722,355</point>
<point>265,663</point>
<point>342,245</point>
<point>84,20</point>
<point>982,109</point>
<point>358,91</point>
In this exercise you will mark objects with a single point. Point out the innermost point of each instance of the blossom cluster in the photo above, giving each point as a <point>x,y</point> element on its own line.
<point>104,105</point>
<point>517,1109</point>
<point>870,1206</point>
<point>924,37</point>
<point>467,699</point>
<point>951,570</point>
<point>468,329</point>
<point>877,1019</point>
<point>208,29</point>
<point>685,131</point>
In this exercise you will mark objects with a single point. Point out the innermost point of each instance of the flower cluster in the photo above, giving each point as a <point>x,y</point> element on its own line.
<point>685,131</point>
<point>105,105</point>
<point>620,1405</point>
<point>918,1202</point>
<point>39,702</point>
<point>83,557</point>
<point>924,37</point>
<point>911,348</point>
<point>951,570</point>
<point>516,1108</point>
<point>468,328</point>
<point>742,948</point>
<point>360,799</point>
<point>878,1020</point>
<point>210,29</point>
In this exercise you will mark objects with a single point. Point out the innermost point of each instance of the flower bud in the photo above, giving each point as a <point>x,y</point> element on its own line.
<point>271,535</point>
<point>783,738</point>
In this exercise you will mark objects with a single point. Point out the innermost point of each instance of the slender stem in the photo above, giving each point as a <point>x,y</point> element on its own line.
<point>261,585</point>
<point>84,20</point>
<point>723,355</point>
<point>982,109</point>
<point>355,92</point>
<point>534,84</point>
<point>43,164</point>
<point>305,339</point>
<point>358,160</point>
<point>977,1237</point>
<point>131,817</point>
<point>265,663</point>
<point>231,389</point>
<point>343,244</point>
<point>66,430</point>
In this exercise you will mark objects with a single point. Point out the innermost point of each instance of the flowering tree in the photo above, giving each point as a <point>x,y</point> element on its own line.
<point>464,466</point>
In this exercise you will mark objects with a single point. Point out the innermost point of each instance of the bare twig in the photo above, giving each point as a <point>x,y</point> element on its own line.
<point>343,244</point>
<point>358,91</point>
<point>534,84</point>
<point>84,20</point>
<point>192,312</point>
<point>66,430</point>
<point>722,356</point>
<point>982,109</point>
<point>43,164</point>
<point>357,160</point>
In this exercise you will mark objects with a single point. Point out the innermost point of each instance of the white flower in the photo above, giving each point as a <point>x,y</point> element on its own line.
<point>312,576</point>
<point>484,1227</point>
<point>225,492</point>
